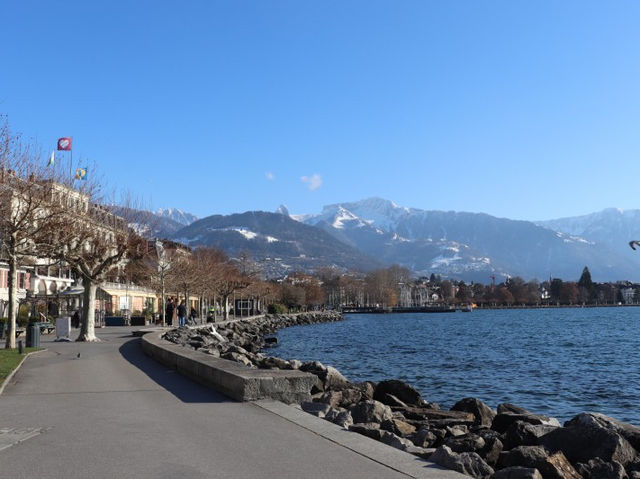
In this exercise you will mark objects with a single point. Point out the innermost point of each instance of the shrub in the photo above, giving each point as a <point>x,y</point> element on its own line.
<point>276,308</point>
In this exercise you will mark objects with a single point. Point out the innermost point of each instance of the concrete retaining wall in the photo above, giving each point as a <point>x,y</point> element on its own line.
<point>229,377</point>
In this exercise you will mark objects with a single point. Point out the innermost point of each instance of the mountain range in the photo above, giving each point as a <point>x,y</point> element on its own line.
<point>375,232</point>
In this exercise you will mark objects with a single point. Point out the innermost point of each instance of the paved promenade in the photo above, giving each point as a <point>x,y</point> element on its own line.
<point>114,413</point>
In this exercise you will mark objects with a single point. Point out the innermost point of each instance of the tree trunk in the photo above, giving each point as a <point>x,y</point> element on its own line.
<point>13,302</point>
<point>225,305</point>
<point>88,329</point>
<point>163,305</point>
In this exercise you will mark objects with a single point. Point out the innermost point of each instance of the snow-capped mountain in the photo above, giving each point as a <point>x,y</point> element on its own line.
<point>177,215</point>
<point>376,232</point>
<point>611,227</point>
<point>277,242</point>
<point>467,245</point>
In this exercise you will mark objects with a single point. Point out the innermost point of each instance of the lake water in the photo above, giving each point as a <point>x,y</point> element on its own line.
<point>558,362</point>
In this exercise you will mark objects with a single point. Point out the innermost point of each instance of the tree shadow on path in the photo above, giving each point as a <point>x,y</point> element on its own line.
<point>181,387</point>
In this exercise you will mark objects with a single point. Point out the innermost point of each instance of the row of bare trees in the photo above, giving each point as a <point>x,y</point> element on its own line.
<point>47,216</point>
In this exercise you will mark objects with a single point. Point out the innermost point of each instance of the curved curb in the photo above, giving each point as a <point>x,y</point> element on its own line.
<point>229,377</point>
<point>12,373</point>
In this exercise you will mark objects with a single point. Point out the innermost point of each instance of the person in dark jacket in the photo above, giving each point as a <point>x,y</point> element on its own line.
<point>169,312</point>
<point>182,313</point>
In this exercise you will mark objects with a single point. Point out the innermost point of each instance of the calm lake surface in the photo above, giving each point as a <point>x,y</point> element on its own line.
<point>558,362</point>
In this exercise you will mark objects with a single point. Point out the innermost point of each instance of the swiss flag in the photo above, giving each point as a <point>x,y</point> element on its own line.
<point>64,144</point>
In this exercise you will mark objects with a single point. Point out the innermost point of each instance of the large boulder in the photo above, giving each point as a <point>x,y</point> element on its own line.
<point>329,377</point>
<point>483,414</point>
<point>598,469</point>
<point>517,473</point>
<point>588,436</point>
<point>468,463</point>
<point>554,466</point>
<point>400,390</point>
<point>370,411</point>
<point>333,379</point>
<point>630,432</point>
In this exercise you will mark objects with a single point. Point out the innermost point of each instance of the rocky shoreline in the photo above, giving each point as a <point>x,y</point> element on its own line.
<point>471,438</point>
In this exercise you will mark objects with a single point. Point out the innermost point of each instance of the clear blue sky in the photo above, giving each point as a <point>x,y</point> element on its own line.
<point>519,109</point>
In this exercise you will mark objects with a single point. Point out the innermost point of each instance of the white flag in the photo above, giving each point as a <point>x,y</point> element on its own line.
<point>52,159</point>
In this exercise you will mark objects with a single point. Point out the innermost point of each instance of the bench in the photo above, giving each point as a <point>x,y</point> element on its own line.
<point>48,327</point>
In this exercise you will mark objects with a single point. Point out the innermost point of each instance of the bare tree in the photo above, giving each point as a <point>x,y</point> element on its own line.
<point>96,243</point>
<point>30,210</point>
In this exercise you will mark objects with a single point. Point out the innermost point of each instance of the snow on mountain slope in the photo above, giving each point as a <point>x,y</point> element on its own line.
<point>177,215</point>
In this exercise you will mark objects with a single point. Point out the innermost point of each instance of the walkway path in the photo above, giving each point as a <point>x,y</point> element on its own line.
<point>105,410</point>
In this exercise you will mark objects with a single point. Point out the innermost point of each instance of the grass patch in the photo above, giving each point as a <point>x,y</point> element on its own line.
<point>9,360</point>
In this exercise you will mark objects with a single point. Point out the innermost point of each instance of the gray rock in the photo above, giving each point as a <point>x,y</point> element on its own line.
<point>457,430</point>
<point>554,466</point>
<point>503,421</point>
<point>370,411</point>
<point>465,443</point>
<point>522,433</point>
<point>239,358</point>
<point>343,419</point>
<point>350,396</point>
<point>491,451</point>
<point>598,469</point>
<point>371,430</point>
<point>390,439</point>
<point>423,438</point>
<point>630,432</point>
<point>398,427</point>
<point>517,473</point>
<point>483,414</point>
<point>468,463</point>
<point>332,398</point>
<point>586,437</point>
<point>422,452</point>
<point>334,379</point>
<point>400,390</point>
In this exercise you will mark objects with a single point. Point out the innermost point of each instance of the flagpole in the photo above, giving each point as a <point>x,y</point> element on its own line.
<point>71,162</point>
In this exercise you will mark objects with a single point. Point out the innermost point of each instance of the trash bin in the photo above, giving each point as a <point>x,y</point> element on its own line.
<point>33,335</point>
